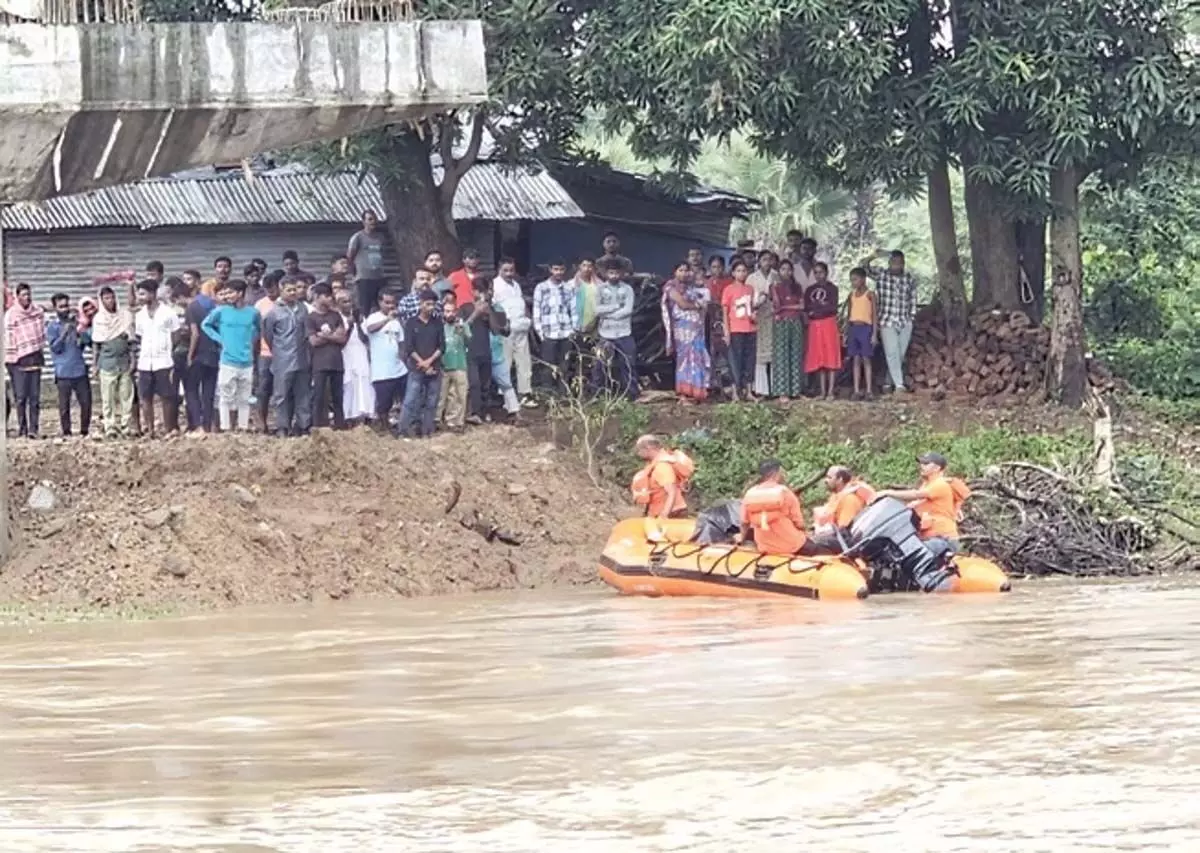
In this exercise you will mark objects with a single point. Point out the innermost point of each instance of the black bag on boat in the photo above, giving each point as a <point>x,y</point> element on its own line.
<point>718,524</point>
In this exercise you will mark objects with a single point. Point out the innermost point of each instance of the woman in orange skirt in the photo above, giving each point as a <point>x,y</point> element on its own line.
<point>823,352</point>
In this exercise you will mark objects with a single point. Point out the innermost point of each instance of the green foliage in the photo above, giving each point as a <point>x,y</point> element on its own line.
<point>1142,270</point>
<point>199,11</point>
<point>1163,367</point>
<point>1183,412</point>
<point>728,455</point>
<point>847,225</point>
<point>633,421</point>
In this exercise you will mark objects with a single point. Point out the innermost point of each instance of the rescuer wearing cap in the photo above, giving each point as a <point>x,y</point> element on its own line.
<point>937,502</point>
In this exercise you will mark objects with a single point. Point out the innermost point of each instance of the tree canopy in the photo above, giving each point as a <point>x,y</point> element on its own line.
<point>1027,99</point>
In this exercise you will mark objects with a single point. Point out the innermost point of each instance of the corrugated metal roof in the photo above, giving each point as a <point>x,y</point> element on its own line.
<point>288,195</point>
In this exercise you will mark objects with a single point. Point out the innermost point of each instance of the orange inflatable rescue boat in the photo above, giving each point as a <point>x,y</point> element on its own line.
<point>659,557</point>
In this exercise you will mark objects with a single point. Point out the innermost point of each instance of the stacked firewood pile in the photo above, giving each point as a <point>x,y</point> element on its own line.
<point>1002,354</point>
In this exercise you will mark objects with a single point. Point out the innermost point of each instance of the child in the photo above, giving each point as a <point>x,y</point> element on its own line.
<point>501,371</point>
<point>235,326</point>
<point>823,354</point>
<point>738,305</point>
<point>862,334</point>
<point>452,402</point>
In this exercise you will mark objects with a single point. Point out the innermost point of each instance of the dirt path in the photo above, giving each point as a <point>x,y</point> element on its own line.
<point>247,520</point>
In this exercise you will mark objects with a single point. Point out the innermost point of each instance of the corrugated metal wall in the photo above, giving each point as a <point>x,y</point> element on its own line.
<point>67,261</point>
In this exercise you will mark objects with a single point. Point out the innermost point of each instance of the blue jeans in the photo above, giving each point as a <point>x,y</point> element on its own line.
<point>895,347</point>
<point>420,403</point>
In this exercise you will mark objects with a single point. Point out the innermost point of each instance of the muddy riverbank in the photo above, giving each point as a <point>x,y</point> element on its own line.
<point>232,520</point>
<point>198,524</point>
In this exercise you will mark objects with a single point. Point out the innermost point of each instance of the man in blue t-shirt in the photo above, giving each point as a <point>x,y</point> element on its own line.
<point>234,326</point>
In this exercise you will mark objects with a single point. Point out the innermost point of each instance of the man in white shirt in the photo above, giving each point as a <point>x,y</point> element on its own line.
<point>157,327</point>
<point>385,333</point>
<point>508,297</point>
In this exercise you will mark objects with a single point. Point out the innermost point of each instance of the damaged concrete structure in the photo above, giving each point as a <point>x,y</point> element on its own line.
<point>90,105</point>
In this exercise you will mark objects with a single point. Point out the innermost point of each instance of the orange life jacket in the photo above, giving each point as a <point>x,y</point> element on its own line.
<point>941,517</point>
<point>763,504</point>
<point>961,492</point>
<point>775,514</point>
<point>643,481</point>
<point>825,519</point>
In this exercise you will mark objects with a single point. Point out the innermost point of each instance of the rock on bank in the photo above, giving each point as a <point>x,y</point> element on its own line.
<point>231,520</point>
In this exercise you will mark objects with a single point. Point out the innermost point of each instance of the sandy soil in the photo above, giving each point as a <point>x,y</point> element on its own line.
<point>232,520</point>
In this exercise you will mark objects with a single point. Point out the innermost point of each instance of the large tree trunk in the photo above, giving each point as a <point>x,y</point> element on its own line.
<point>945,252</point>
<point>941,205</point>
<point>418,217</point>
<point>993,248</point>
<point>1031,243</point>
<point>1066,370</point>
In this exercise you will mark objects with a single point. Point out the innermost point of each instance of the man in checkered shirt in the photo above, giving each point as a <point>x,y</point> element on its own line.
<point>409,305</point>
<point>896,301</point>
<point>555,320</point>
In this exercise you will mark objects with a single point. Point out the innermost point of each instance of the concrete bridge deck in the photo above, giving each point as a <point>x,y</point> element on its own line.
<point>91,105</point>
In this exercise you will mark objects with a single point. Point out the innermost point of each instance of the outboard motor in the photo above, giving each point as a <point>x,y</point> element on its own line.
<point>885,535</point>
<point>718,524</point>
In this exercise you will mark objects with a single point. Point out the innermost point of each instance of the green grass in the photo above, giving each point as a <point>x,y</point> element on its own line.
<point>727,454</point>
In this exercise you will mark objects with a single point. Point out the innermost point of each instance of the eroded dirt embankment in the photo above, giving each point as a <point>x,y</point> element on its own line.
<point>232,520</point>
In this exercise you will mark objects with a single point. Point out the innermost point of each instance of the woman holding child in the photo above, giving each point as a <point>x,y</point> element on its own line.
<point>683,305</point>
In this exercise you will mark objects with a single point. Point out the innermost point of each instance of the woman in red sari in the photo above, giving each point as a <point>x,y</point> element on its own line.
<point>823,355</point>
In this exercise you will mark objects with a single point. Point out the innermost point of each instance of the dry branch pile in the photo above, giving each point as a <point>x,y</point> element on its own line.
<point>1002,355</point>
<point>1035,521</point>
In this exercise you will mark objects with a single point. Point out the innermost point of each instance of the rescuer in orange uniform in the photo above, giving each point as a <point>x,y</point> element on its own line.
<point>937,502</point>
<point>660,485</point>
<point>848,496</point>
<point>773,512</point>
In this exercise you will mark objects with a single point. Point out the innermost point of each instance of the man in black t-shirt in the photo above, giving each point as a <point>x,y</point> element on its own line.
<point>327,334</point>
<point>203,361</point>
<point>422,349</point>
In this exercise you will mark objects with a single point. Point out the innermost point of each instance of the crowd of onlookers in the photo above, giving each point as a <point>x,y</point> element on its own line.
<point>284,351</point>
<point>767,324</point>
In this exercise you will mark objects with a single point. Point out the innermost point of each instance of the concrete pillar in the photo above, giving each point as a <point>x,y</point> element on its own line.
<point>85,106</point>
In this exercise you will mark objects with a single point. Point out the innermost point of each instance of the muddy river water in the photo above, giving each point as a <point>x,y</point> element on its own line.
<point>1058,718</point>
